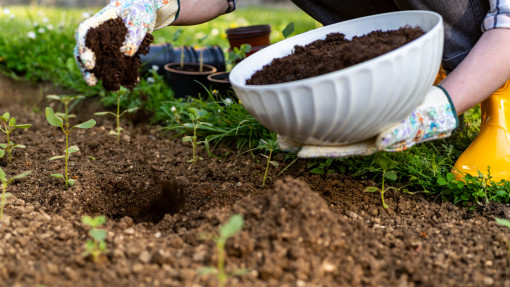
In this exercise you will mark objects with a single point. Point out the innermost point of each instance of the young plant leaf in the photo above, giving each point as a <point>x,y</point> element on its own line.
<point>12,122</point>
<point>233,226</point>
<point>73,149</point>
<point>371,189</point>
<point>57,175</point>
<point>207,271</point>
<point>391,175</point>
<point>25,126</point>
<point>5,117</point>
<point>2,153</point>
<point>86,125</point>
<point>70,182</point>
<point>104,114</point>
<point>288,30</point>
<point>57,157</point>
<point>98,234</point>
<point>3,176</point>
<point>502,221</point>
<point>53,119</point>
<point>22,175</point>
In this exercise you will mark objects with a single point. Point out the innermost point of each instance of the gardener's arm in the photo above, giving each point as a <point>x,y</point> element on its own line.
<point>199,11</point>
<point>482,72</point>
<point>487,67</point>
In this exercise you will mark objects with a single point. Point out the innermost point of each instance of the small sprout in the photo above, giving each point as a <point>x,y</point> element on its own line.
<point>229,229</point>
<point>96,246</point>
<point>194,115</point>
<point>386,165</point>
<point>59,122</point>
<point>9,125</point>
<point>66,100</point>
<point>118,115</point>
<point>5,183</point>
<point>271,146</point>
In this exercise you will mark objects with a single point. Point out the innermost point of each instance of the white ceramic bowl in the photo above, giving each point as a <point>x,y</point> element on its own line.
<point>352,104</point>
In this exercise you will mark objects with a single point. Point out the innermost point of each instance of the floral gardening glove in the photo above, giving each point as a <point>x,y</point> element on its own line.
<point>434,118</point>
<point>140,16</point>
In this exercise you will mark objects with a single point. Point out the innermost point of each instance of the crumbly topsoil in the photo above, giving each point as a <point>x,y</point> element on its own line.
<point>301,229</point>
<point>113,68</point>
<point>332,54</point>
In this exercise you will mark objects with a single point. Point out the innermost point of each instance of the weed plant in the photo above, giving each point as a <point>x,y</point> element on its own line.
<point>9,125</point>
<point>228,230</point>
<point>386,166</point>
<point>67,129</point>
<point>5,183</point>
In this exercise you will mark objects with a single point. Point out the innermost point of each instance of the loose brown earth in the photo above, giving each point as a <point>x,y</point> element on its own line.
<point>113,68</point>
<point>333,53</point>
<point>300,230</point>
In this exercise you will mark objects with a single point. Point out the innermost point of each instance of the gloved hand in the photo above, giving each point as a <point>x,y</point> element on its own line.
<point>434,118</point>
<point>140,16</point>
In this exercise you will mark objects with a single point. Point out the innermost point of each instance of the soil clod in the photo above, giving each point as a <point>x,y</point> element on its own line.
<point>114,68</point>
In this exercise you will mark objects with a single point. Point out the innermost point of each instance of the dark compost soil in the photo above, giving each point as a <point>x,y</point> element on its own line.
<point>113,68</point>
<point>300,230</point>
<point>332,54</point>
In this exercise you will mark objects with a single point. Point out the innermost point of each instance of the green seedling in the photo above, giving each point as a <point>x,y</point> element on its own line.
<point>386,164</point>
<point>69,102</point>
<point>194,116</point>
<point>237,54</point>
<point>96,246</point>
<point>117,115</point>
<point>59,122</point>
<point>229,229</point>
<point>270,145</point>
<point>5,183</point>
<point>9,125</point>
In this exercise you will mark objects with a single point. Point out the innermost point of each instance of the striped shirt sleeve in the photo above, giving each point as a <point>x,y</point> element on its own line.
<point>498,16</point>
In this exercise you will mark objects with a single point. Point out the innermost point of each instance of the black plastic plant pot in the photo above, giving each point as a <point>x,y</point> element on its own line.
<point>220,84</point>
<point>161,54</point>
<point>188,80</point>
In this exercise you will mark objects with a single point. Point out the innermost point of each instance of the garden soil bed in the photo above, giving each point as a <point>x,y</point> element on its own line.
<point>300,229</point>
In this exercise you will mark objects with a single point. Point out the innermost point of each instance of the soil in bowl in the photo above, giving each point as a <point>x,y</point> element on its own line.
<point>332,54</point>
<point>113,68</point>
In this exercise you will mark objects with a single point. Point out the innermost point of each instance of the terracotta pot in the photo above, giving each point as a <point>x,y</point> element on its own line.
<point>219,81</point>
<point>257,36</point>
<point>184,81</point>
